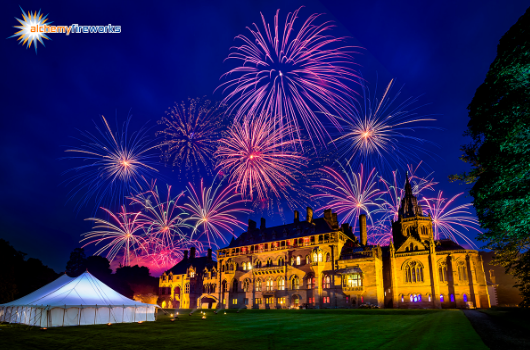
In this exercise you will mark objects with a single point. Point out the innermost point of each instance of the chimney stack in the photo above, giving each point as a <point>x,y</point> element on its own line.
<point>209,254</point>
<point>296,217</point>
<point>327,215</point>
<point>262,226</point>
<point>309,215</point>
<point>185,255</point>
<point>362,228</point>
<point>251,225</point>
<point>192,253</point>
<point>334,221</point>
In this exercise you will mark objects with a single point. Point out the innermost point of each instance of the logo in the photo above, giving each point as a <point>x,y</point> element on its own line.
<point>34,27</point>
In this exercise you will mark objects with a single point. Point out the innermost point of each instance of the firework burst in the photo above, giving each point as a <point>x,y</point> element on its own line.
<point>191,133</point>
<point>289,74</point>
<point>349,193</point>
<point>379,132</point>
<point>257,157</point>
<point>123,235</point>
<point>214,211</point>
<point>164,219</point>
<point>114,164</point>
<point>446,218</point>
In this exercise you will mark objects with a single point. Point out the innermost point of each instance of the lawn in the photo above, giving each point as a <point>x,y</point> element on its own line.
<point>264,329</point>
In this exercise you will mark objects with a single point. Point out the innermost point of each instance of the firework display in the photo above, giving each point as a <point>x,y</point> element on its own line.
<point>447,218</point>
<point>293,85</point>
<point>379,132</point>
<point>290,72</point>
<point>191,133</point>
<point>214,211</point>
<point>260,156</point>
<point>349,193</point>
<point>113,164</point>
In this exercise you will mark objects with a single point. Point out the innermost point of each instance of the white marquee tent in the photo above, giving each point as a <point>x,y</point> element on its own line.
<point>78,301</point>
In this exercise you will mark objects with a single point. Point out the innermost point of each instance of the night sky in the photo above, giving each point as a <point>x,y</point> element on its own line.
<point>170,51</point>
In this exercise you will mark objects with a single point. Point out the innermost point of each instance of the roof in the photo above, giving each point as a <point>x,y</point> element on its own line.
<point>298,229</point>
<point>198,263</point>
<point>447,244</point>
<point>82,291</point>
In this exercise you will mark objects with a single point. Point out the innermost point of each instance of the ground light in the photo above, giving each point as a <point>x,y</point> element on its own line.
<point>109,324</point>
<point>43,328</point>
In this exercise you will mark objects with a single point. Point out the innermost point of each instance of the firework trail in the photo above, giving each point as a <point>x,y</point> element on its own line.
<point>289,74</point>
<point>378,132</point>
<point>446,219</point>
<point>163,218</point>
<point>349,193</point>
<point>113,164</point>
<point>257,157</point>
<point>191,134</point>
<point>123,235</point>
<point>214,211</point>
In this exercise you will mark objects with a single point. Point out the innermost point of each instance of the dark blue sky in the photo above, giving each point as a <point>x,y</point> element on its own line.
<point>169,51</point>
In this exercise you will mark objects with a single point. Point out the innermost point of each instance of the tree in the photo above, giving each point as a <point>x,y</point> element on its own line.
<point>77,263</point>
<point>499,154</point>
<point>10,258</point>
<point>99,266</point>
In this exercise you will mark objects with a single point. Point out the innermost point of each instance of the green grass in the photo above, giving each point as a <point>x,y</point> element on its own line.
<point>264,329</point>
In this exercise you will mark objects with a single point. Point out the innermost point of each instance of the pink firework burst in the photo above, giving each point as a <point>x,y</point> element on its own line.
<point>214,211</point>
<point>446,218</point>
<point>260,157</point>
<point>290,74</point>
<point>349,193</point>
<point>123,235</point>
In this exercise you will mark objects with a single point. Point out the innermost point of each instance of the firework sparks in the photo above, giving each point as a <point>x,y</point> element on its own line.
<point>191,133</point>
<point>290,74</point>
<point>28,36</point>
<point>114,164</point>
<point>164,219</point>
<point>258,159</point>
<point>378,132</point>
<point>214,211</point>
<point>350,194</point>
<point>446,219</point>
<point>122,235</point>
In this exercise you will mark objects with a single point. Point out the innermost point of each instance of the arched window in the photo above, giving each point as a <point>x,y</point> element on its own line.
<point>258,285</point>
<point>311,282</point>
<point>352,280</point>
<point>419,297</point>
<point>244,266</point>
<point>269,285</point>
<point>213,287</point>
<point>269,262</point>
<point>246,285</point>
<point>298,260</point>
<point>462,271</point>
<point>452,298</point>
<point>224,286</point>
<point>281,283</point>
<point>281,261</point>
<point>402,298</point>
<point>315,257</point>
<point>441,298</point>
<point>249,266</point>
<point>442,272</point>
<point>187,288</point>
<point>328,257</point>
<point>235,285</point>
<point>465,298</point>
<point>413,272</point>
<point>295,283</point>
<point>307,259</point>
<point>177,291</point>
<point>326,282</point>
<point>319,257</point>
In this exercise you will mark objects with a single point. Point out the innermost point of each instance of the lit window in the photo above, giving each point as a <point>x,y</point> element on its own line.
<point>441,298</point>
<point>353,280</point>
<point>452,298</point>
<point>244,266</point>
<point>249,266</point>
<point>298,261</point>
<point>419,297</point>
<point>465,298</point>
<point>258,286</point>
<point>269,284</point>
<point>402,299</point>
<point>319,257</point>
<point>187,288</point>
<point>326,282</point>
<point>281,284</point>
<point>246,301</point>
<point>295,283</point>
<point>234,301</point>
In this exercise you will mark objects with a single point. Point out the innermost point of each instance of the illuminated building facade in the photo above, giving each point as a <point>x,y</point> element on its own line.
<point>318,263</point>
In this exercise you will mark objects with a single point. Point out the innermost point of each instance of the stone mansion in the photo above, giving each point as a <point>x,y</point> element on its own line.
<point>317,263</point>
